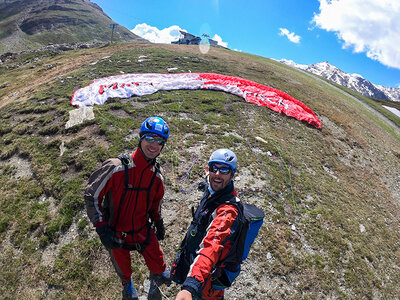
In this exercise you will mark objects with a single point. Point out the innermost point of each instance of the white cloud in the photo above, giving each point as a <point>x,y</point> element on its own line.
<point>218,39</point>
<point>370,26</point>
<point>155,35</point>
<point>166,35</point>
<point>290,35</point>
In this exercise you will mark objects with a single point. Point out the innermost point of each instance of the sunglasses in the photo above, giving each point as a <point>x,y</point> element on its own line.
<point>222,170</point>
<point>151,139</point>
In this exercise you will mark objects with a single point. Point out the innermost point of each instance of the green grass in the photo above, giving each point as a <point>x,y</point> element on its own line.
<point>324,182</point>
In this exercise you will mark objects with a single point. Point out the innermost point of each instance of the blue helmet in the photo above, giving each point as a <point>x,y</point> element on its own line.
<point>224,156</point>
<point>155,125</point>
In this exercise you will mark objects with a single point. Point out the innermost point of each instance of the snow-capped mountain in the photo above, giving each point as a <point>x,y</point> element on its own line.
<point>352,81</point>
<point>392,93</point>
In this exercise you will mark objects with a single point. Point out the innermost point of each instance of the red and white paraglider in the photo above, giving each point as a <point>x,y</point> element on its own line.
<point>128,85</point>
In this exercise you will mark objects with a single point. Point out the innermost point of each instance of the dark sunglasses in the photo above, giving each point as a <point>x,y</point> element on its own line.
<point>222,170</point>
<point>151,139</point>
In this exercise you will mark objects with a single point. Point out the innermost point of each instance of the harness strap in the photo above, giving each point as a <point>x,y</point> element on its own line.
<point>125,162</point>
<point>140,247</point>
<point>136,246</point>
<point>208,210</point>
<point>157,169</point>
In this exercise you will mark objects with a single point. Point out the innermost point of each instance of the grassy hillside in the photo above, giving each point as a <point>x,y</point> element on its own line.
<point>331,196</point>
<point>30,24</point>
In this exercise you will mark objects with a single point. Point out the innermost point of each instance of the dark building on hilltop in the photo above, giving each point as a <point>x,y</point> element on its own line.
<point>190,39</point>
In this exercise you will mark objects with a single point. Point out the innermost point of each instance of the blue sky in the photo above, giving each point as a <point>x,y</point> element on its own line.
<point>357,36</point>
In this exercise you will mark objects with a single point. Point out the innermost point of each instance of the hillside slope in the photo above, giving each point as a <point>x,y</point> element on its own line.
<point>30,24</point>
<point>331,196</point>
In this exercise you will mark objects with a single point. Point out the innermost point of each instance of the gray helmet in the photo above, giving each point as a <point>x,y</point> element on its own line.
<point>224,156</point>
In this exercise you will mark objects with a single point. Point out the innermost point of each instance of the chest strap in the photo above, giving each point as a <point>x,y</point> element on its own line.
<point>135,246</point>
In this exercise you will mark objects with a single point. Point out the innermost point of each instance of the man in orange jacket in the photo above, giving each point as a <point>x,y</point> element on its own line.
<point>121,198</point>
<point>209,237</point>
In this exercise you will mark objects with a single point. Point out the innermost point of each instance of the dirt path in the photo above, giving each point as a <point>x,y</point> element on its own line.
<point>40,75</point>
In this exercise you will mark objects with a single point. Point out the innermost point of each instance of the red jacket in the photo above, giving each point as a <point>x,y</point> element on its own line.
<point>216,244</point>
<point>105,189</point>
<point>209,238</point>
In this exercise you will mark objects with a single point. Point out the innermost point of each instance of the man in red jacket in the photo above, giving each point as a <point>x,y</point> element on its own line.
<point>121,198</point>
<point>215,223</point>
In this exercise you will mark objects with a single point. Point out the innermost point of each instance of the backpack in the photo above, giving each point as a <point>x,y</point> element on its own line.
<point>223,277</point>
<point>226,271</point>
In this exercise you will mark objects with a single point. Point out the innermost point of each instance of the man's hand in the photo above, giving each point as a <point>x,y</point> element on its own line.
<point>107,237</point>
<point>184,295</point>
<point>160,229</point>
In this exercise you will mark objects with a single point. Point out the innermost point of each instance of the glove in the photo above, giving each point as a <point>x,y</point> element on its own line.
<point>160,229</point>
<point>108,238</point>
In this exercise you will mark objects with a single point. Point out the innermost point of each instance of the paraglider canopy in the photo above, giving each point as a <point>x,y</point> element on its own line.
<point>128,85</point>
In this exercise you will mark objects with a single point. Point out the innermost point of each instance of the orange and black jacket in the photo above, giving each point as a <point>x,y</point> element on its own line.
<point>130,214</point>
<point>210,236</point>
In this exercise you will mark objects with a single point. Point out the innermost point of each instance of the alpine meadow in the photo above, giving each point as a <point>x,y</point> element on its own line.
<point>331,196</point>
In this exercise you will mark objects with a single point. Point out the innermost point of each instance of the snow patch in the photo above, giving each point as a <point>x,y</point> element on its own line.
<point>393,110</point>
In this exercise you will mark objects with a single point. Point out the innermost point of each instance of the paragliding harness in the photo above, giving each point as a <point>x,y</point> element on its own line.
<point>125,160</point>
<point>224,273</point>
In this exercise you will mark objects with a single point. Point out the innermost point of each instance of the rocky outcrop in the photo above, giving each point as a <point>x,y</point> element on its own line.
<point>33,26</point>
<point>50,49</point>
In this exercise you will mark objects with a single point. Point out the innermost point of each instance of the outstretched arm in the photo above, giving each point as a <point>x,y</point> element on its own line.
<point>184,295</point>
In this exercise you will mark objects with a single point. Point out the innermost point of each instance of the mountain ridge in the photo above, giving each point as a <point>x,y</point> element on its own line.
<point>353,81</point>
<point>31,24</point>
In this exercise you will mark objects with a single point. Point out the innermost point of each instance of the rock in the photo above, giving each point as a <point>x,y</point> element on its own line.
<point>79,115</point>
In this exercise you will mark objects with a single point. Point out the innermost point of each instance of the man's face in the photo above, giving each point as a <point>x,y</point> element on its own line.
<point>150,146</point>
<point>218,181</point>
